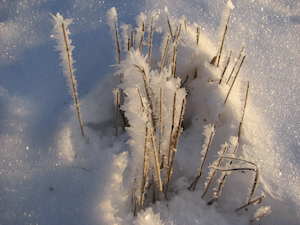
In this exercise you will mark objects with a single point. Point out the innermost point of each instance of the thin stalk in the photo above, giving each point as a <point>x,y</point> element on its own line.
<point>172,128</point>
<point>223,39</point>
<point>198,35</point>
<point>194,183</point>
<point>72,78</point>
<point>160,120</point>
<point>234,79</point>
<point>225,68</point>
<point>148,92</point>
<point>175,52</point>
<point>254,201</point>
<point>170,27</point>
<point>133,189</point>
<point>156,160</point>
<point>151,38</point>
<point>215,172</point>
<point>244,109</point>
<point>174,148</point>
<point>142,37</point>
<point>145,168</point>
<point>255,182</point>
<point>135,206</point>
<point>117,112</point>
<point>117,40</point>
<point>236,62</point>
<point>164,55</point>
<point>132,40</point>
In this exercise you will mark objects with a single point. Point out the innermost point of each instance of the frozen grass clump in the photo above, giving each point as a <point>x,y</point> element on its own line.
<point>181,103</point>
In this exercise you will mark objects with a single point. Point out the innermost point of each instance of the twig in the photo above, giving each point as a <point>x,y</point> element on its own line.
<point>170,27</point>
<point>164,55</point>
<point>148,92</point>
<point>174,147</point>
<point>175,53</point>
<point>198,35</point>
<point>151,37</point>
<point>257,201</point>
<point>214,173</point>
<point>236,62</point>
<point>224,35</point>
<point>225,68</point>
<point>117,40</point>
<point>117,112</point>
<point>160,119</point>
<point>194,183</point>
<point>234,79</point>
<point>72,78</point>
<point>142,37</point>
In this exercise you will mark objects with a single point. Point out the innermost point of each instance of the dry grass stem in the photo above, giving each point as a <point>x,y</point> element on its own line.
<point>160,120</point>
<point>198,35</point>
<point>254,201</point>
<point>223,39</point>
<point>244,110</point>
<point>175,139</point>
<point>225,68</point>
<point>150,45</point>
<point>164,55</point>
<point>156,160</point>
<point>175,52</point>
<point>72,78</point>
<point>214,173</point>
<point>234,79</point>
<point>236,62</point>
<point>117,40</point>
<point>148,92</point>
<point>170,28</point>
<point>142,37</point>
<point>117,112</point>
<point>132,40</point>
<point>194,183</point>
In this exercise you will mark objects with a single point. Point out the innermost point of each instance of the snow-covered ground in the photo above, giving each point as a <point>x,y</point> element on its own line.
<point>49,174</point>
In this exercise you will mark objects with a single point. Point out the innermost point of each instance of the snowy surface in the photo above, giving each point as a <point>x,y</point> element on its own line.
<point>49,174</point>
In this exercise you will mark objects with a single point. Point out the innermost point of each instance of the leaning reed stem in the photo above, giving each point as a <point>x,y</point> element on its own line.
<point>234,79</point>
<point>164,55</point>
<point>150,45</point>
<point>214,173</point>
<point>194,183</point>
<point>72,78</point>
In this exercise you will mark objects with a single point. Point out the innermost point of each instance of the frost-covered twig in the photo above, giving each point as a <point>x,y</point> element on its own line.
<point>117,112</point>
<point>174,147</point>
<point>198,35</point>
<point>234,79</point>
<point>170,28</point>
<point>61,34</point>
<point>150,44</point>
<point>225,68</point>
<point>204,152</point>
<point>255,182</point>
<point>236,62</point>
<point>175,52</point>
<point>215,171</point>
<point>254,201</point>
<point>164,54</point>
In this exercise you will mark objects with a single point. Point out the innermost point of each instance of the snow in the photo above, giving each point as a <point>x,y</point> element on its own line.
<point>50,174</point>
